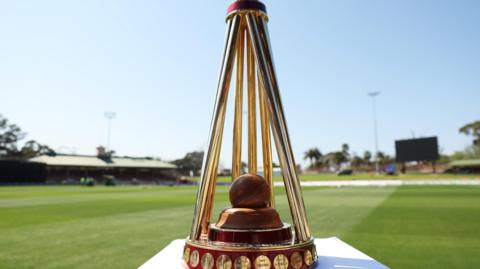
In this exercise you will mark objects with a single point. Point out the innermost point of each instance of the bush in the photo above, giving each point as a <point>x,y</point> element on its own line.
<point>110,182</point>
<point>89,181</point>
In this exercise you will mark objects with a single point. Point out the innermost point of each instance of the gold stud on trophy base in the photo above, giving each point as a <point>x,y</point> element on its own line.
<point>250,234</point>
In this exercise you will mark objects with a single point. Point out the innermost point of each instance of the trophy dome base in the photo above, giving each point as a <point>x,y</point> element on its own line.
<point>277,236</point>
<point>219,255</point>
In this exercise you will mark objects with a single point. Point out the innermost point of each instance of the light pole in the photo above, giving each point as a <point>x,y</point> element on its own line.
<point>375,131</point>
<point>109,115</point>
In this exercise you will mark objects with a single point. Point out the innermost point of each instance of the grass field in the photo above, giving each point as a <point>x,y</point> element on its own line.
<point>121,227</point>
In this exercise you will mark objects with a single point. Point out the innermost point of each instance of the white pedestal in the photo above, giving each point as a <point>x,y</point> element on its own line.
<point>332,252</point>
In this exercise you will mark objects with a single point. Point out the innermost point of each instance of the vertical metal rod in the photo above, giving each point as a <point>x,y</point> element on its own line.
<point>252,116</point>
<point>109,115</point>
<point>257,29</point>
<point>283,136</point>
<point>203,208</point>
<point>237,125</point>
<point>375,130</point>
<point>266,143</point>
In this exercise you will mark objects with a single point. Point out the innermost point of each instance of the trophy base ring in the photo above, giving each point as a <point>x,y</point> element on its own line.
<point>214,255</point>
<point>282,235</point>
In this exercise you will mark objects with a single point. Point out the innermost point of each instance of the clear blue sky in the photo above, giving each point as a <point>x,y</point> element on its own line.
<point>155,63</point>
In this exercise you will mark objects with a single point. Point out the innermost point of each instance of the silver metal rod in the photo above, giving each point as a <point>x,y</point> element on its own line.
<point>206,190</point>
<point>257,29</point>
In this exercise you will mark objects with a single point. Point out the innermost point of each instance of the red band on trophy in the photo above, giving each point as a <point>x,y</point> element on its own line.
<point>250,5</point>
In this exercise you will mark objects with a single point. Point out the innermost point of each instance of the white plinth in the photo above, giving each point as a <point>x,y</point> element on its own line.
<point>332,252</point>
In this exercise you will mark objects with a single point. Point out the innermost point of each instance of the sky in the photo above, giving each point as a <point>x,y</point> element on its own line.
<point>63,64</point>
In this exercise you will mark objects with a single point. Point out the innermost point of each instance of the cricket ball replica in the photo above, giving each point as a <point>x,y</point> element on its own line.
<point>250,233</point>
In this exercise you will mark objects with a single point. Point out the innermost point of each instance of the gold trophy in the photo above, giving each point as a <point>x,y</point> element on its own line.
<point>250,234</point>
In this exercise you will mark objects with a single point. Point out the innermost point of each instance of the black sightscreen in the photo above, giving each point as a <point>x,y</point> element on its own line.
<point>16,171</point>
<point>421,149</point>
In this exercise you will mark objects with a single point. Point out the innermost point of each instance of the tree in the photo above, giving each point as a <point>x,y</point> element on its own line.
<point>335,158</point>
<point>384,158</point>
<point>314,155</point>
<point>367,156</point>
<point>458,155</point>
<point>32,149</point>
<point>244,167</point>
<point>470,152</point>
<point>10,134</point>
<point>105,154</point>
<point>345,149</point>
<point>472,129</point>
<point>444,159</point>
<point>356,161</point>
<point>191,162</point>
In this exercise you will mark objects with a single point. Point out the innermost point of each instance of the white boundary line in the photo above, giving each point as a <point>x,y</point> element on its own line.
<point>387,182</point>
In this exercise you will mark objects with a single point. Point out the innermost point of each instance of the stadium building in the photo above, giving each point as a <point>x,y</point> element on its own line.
<point>465,166</point>
<point>64,168</point>
<point>123,169</point>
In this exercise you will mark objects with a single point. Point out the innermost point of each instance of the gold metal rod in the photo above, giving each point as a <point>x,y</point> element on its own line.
<point>260,43</point>
<point>237,125</point>
<point>266,143</point>
<point>283,137</point>
<point>206,190</point>
<point>252,116</point>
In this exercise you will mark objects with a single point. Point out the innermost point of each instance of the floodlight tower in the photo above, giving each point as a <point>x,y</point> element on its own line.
<point>375,131</point>
<point>110,116</point>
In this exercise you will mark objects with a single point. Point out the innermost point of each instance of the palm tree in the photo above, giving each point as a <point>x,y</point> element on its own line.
<point>313,155</point>
<point>384,158</point>
<point>308,155</point>
<point>367,156</point>
<point>345,149</point>
<point>317,156</point>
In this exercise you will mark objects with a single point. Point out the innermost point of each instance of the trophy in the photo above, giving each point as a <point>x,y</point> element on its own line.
<point>249,234</point>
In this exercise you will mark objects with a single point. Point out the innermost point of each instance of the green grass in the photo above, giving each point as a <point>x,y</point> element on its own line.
<point>423,227</point>
<point>361,176</point>
<point>121,227</point>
